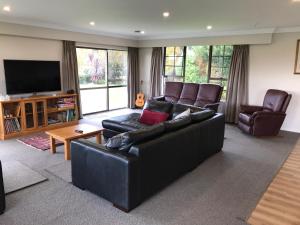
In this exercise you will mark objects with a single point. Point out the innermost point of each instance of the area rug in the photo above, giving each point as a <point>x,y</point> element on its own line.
<point>40,141</point>
<point>61,170</point>
<point>17,176</point>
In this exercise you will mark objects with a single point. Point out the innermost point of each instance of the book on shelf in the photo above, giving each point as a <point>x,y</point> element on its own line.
<point>12,125</point>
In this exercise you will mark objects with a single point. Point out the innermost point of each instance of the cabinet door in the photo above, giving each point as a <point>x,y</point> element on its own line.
<point>41,113</point>
<point>29,109</point>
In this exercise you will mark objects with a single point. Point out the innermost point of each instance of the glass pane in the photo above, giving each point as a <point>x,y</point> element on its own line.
<point>197,60</point>
<point>170,61</point>
<point>179,51</point>
<point>178,71</point>
<point>218,50</point>
<point>179,61</point>
<point>216,72</point>
<point>228,50</point>
<point>170,51</point>
<point>40,114</point>
<point>118,98</point>
<point>173,78</point>
<point>29,115</point>
<point>169,71</point>
<point>227,61</point>
<point>117,68</point>
<point>93,100</point>
<point>92,65</point>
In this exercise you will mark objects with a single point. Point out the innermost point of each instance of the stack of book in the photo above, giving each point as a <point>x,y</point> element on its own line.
<point>65,103</point>
<point>12,125</point>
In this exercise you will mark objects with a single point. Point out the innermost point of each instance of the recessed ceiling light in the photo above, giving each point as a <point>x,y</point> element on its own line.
<point>6,8</point>
<point>92,23</point>
<point>139,31</point>
<point>166,14</point>
<point>208,27</point>
<point>295,0</point>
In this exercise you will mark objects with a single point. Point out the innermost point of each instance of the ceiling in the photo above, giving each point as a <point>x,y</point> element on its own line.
<point>188,18</point>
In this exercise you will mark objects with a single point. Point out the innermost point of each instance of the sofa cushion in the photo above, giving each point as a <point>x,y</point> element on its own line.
<point>124,141</point>
<point>124,123</point>
<point>189,93</point>
<point>151,117</point>
<point>180,108</point>
<point>176,124</point>
<point>202,115</point>
<point>158,106</point>
<point>183,114</point>
<point>208,94</point>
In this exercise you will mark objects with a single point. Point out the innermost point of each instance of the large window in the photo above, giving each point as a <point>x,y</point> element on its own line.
<point>102,79</point>
<point>202,64</point>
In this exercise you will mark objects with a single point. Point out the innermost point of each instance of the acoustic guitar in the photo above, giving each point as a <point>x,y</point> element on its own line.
<point>140,100</point>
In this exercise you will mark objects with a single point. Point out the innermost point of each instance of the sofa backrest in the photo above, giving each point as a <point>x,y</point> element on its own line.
<point>275,101</point>
<point>208,94</point>
<point>173,91</point>
<point>189,93</point>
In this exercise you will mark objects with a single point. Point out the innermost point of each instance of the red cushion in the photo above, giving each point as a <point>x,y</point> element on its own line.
<point>150,117</point>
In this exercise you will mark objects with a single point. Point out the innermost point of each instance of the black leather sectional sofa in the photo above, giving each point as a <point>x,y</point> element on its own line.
<point>128,177</point>
<point>2,194</point>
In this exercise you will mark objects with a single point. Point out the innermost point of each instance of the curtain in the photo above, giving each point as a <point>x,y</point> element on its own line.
<point>237,91</point>
<point>70,80</point>
<point>156,71</point>
<point>133,75</point>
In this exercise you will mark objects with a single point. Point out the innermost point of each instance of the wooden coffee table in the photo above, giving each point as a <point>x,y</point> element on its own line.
<point>67,134</point>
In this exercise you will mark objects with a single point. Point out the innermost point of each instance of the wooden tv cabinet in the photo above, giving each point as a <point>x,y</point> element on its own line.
<point>23,116</point>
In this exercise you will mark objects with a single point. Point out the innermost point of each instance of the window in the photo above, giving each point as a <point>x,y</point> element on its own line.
<point>102,79</point>
<point>174,62</point>
<point>220,64</point>
<point>203,64</point>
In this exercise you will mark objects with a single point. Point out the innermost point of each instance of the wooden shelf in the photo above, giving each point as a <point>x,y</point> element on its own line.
<point>53,110</point>
<point>40,105</point>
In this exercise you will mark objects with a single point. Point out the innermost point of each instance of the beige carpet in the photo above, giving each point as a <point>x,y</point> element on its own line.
<point>221,191</point>
<point>17,176</point>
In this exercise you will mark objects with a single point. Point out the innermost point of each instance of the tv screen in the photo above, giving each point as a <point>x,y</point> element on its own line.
<point>29,76</point>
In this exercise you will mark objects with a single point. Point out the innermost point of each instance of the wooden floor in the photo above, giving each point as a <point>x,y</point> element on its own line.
<point>280,204</point>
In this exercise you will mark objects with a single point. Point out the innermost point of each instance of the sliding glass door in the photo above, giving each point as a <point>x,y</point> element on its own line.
<point>103,79</point>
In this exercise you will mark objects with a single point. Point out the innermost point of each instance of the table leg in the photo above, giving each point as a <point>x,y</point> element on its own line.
<point>52,145</point>
<point>67,150</point>
<point>98,138</point>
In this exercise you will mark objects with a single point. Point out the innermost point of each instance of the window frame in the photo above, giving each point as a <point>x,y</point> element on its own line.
<point>107,86</point>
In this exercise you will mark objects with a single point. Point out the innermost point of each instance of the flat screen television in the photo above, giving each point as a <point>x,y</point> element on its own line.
<point>31,76</point>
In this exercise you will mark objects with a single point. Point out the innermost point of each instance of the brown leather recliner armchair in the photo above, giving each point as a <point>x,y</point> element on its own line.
<point>265,120</point>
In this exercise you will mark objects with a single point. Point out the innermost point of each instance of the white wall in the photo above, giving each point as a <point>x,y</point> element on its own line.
<point>272,66</point>
<point>27,48</point>
<point>145,67</point>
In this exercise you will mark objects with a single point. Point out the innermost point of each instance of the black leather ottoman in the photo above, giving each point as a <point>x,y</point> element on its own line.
<point>2,194</point>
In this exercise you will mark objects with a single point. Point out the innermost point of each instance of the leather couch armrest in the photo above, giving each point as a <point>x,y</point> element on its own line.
<point>111,174</point>
<point>159,98</point>
<point>268,114</point>
<point>249,109</point>
<point>267,123</point>
<point>213,106</point>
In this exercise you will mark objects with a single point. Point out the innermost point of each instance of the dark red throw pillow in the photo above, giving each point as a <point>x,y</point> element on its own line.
<point>150,117</point>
